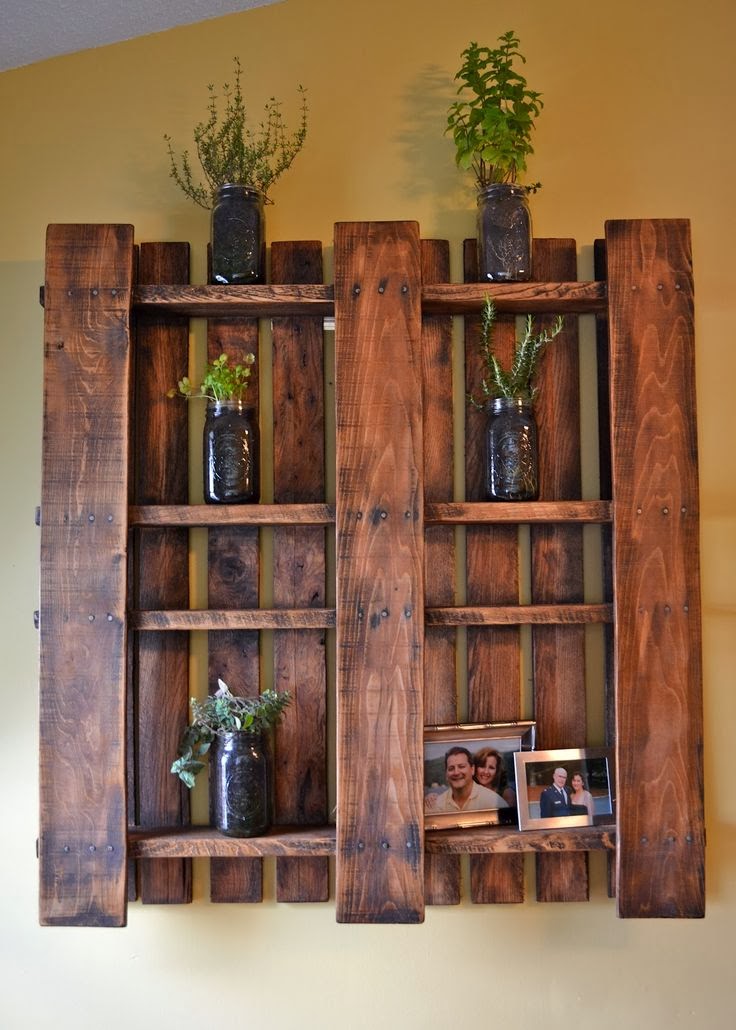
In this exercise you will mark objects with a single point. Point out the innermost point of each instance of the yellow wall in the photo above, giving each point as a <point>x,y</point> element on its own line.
<point>638,122</point>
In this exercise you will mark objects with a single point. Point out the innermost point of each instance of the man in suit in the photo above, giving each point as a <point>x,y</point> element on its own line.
<point>555,800</point>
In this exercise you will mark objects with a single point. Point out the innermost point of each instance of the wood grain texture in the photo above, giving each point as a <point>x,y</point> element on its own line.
<point>233,569</point>
<point>518,512</point>
<point>441,873</point>
<point>494,651</point>
<point>87,355</point>
<point>232,515</point>
<point>660,867</point>
<point>380,875</point>
<point>161,561</point>
<point>303,842</point>
<point>557,563</point>
<point>299,571</point>
<point>224,619</point>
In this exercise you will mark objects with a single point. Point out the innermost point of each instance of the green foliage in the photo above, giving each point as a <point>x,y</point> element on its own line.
<point>223,712</point>
<point>517,382</point>
<point>492,122</point>
<point>222,381</point>
<point>230,151</point>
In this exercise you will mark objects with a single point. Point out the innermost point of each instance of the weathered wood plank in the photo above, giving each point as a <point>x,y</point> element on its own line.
<point>493,651</point>
<point>233,565</point>
<point>87,355</point>
<point>232,515</point>
<point>557,563</point>
<point>500,840</point>
<point>233,619</point>
<point>514,298</point>
<point>441,873</point>
<point>380,628</point>
<point>660,864</point>
<point>299,571</point>
<point>303,842</point>
<point>161,561</point>
<point>519,512</point>
<point>520,615</point>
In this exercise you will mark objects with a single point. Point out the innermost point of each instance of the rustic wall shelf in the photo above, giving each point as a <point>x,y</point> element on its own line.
<point>115,613</point>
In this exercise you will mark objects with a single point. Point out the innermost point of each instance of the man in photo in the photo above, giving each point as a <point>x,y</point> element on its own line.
<point>555,800</point>
<point>463,794</point>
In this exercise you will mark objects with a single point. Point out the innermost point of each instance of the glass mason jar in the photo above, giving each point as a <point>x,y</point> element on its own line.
<point>230,453</point>
<point>240,783</point>
<point>504,233</point>
<point>512,457</point>
<point>238,236</point>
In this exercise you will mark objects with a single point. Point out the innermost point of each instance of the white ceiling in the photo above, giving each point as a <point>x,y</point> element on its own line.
<point>34,30</point>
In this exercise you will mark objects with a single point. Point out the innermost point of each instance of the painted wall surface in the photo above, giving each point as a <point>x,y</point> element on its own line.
<point>638,122</point>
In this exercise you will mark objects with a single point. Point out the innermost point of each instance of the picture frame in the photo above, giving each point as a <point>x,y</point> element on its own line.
<point>539,802</point>
<point>496,743</point>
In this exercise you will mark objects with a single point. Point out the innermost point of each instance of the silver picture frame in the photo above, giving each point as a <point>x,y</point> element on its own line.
<point>545,798</point>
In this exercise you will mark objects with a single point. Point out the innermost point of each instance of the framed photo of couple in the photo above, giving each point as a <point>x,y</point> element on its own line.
<point>469,773</point>
<point>566,787</point>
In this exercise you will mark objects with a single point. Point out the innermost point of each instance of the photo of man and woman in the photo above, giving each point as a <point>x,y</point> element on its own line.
<point>571,786</point>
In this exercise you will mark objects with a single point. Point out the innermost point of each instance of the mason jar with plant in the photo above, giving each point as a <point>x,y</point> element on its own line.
<point>491,125</point>
<point>231,440</point>
<point>507,395</point>
<point>240,165</point>
<point>233,733</point>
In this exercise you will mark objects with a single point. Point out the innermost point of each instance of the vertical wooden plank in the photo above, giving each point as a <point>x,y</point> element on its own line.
<point>233,582</point>
<point>82,845</point>
<point>380,544</point>
<point>161,572</point>
<point>494,653</point>
<point>557,563</point>
<point>660,833</point>
<point>299,572</point>
<point>441,872</point>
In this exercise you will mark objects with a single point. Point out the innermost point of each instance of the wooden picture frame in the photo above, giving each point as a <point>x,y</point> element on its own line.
<point>544,780</point>
<point>470,744</point>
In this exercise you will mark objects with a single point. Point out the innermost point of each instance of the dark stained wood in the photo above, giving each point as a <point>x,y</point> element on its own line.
<point>557,563</point>
<point>161,571</point>
<point>232,515</point>
<point>500,840</point>
<point>233,584</point>
<point>494,651</point>
<point>656,569</point>
<point>514,298</point>
<point>380,563</point>
<point>306,843</point>
<point>299,571</point>
<point>518,512</point>
<point>234,619</point>
<point>83,569</point>
<point>520,615</point>
<point>441,873</point>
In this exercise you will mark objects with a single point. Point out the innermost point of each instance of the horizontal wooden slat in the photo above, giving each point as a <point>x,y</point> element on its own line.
<point>520,615</point>
<point>479,841</point>
<point>232,515</point>
<point>440,298</point>
<point>223,301</point>
<point>250,618</point>
<point>521,513</point>
<point>520,298</point>
<point>203,842</point>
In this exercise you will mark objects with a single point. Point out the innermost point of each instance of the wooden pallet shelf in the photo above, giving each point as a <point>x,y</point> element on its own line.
<point>115,614</point>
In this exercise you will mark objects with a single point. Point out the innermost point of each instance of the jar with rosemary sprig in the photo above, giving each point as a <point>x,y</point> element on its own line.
<point>507,396</point>
<point>231,441</point>
<point>240,165</point>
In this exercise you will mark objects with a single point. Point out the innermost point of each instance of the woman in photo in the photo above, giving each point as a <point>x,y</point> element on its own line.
<point>580,796</point>
<point>490,772</point>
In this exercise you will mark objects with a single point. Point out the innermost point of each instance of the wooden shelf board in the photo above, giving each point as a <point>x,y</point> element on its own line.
<point>517,512</point>
<point>520,615</point>
<point>231,619</point>
<point>519,298</point>
<point>503,840</point>
<point>151,515</point>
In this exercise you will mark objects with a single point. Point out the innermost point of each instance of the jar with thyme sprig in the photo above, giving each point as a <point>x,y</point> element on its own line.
<point>507,395</point>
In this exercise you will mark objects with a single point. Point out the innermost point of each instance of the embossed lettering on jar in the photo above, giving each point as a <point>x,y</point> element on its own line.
<point>240,788</point>
<point>504,233</point>
<point>238,236</point>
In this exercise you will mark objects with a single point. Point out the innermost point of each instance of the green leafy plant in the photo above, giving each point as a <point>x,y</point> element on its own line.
<point>223,712</point>
<point>222,381</point>
<point>230,151</point>
<point>492,122</point>
<point>516,382</point>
